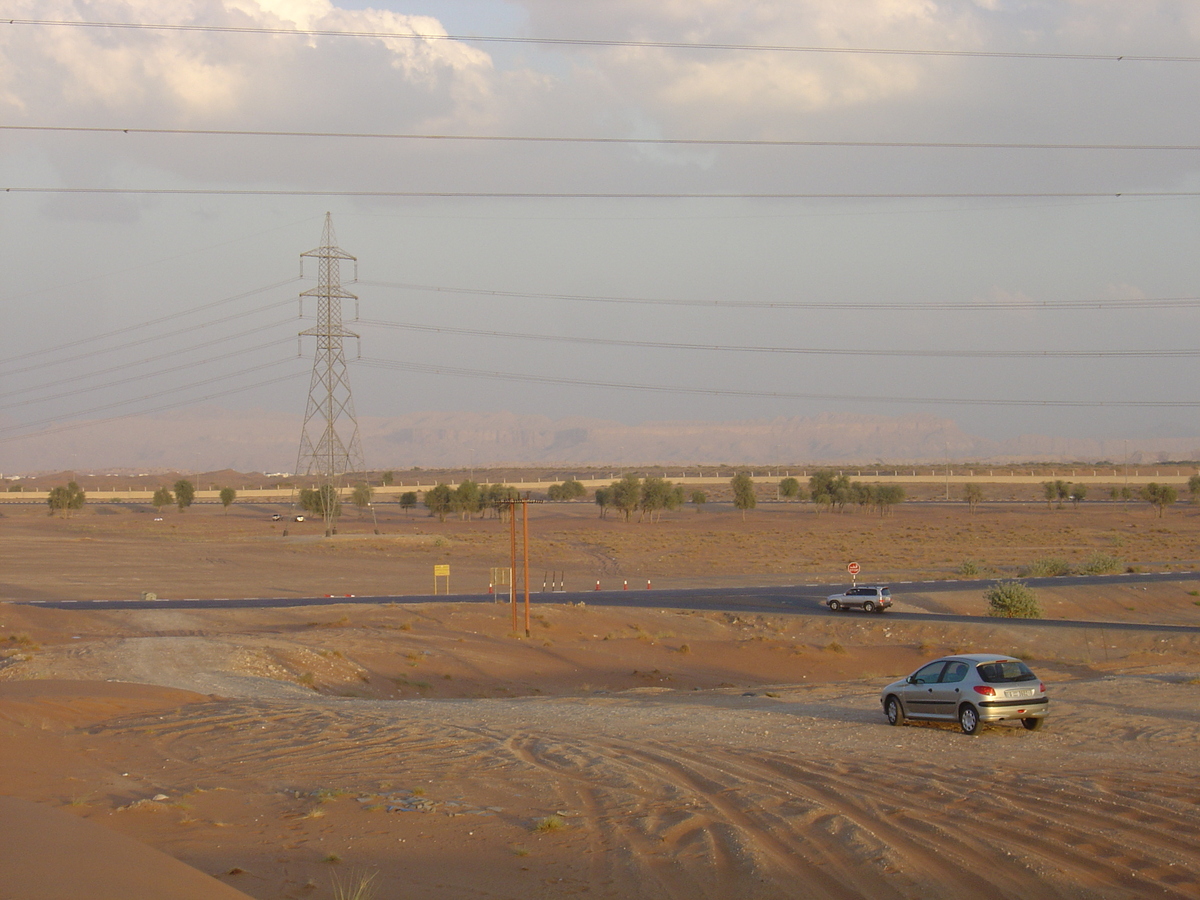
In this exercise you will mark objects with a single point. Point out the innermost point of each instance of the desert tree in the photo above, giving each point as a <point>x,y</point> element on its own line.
<point>498,498</point>
<point>408,500</point>
<point>1124,494</point>
<point>743,493</point>
<point>604,500</point>
<point>467,499</point>
<point>162,497</point>
<point>657,495</point>
<point>439,500</point>
<point>973,494</point>
<point>699,498</point>
<point>388,478</point>
<point>789,488</point>
<point>66,499</point>
<point>1160,496</point>
<point>185,493</point>
<point>321,502</point>
<point>228,495</point>
<point>1078,493</point>
<point>1050,492</point>
<point>361,497</point>
<point>1063,488</point>
<point>887,496</point>
<point>568,490</point>
<point>829,490</point>
<point>627,494</point>
<point>1194,487</point>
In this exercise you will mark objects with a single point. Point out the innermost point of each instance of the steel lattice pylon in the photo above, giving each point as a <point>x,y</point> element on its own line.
<point>329,441</point>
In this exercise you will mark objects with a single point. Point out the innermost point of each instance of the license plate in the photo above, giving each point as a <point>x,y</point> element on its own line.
<point>1027,692</point>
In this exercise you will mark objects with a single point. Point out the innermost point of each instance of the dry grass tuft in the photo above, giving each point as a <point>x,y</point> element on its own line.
<point>357,887</point>
<point>549,824</point>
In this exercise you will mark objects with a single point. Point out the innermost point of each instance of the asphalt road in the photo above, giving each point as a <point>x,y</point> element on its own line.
<point>801,599</point>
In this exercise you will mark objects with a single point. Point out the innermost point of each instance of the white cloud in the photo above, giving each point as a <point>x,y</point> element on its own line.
<point>57,73</point>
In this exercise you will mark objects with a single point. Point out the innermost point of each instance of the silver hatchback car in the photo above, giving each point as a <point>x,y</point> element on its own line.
<point>973,688</point>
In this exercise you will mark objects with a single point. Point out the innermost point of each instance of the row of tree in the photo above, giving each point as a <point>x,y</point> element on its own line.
<point>72,497</point>
<point>469,499</point>
<point>647,498</point>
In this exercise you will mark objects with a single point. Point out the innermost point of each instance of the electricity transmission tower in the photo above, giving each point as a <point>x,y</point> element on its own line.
<point>329,444</point>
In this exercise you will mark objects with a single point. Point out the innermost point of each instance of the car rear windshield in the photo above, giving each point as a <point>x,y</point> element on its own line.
<point>887,592</point>
<point>1004,671</point>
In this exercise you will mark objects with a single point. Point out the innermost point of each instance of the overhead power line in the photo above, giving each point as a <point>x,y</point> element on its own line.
<point>10,438</point>
<point>566,139</point>
<point>44,351</point>
<point>149,339</point>
<point>800,351</point>
<point>603,42</point>
<point>616,195</point>
<point>772,395</point>
<point>161,393</point>
<point>94,385</point>
<point>973,306</point>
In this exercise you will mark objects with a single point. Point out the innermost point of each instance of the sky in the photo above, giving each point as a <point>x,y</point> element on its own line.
<point>1009,314</point>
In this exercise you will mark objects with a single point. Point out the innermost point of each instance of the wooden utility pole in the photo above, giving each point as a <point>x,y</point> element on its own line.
<point>512,532</point>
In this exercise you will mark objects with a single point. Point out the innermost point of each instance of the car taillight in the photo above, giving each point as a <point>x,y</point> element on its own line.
<point>985,690</point>
<point>1042,687</point>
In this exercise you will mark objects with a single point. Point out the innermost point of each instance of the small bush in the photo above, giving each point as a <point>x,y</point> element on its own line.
<point>1012,600</point>
<point>1048,567</point>
<point>1100,563</point>
<point>968,568</point>
<point>549,824</point>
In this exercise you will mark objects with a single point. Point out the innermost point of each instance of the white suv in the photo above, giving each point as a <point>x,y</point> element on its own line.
<point>869,599</point>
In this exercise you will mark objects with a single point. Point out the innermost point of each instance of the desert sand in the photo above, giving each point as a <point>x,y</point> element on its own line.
<point>614,753</point>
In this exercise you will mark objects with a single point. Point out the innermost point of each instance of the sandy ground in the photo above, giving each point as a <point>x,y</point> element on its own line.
<point>614,753</point>
<point>118,551</point>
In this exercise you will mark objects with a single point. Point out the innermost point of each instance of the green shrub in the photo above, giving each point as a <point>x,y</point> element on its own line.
<point>1048,567</point>
<point>1012,600</point>
<point>1100,563</point>
<point>968,568</point>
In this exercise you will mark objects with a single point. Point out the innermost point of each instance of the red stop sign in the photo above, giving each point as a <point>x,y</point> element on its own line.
<point>853,568</point>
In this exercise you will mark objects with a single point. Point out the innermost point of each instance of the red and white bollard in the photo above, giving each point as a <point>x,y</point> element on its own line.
<point>597,584</point>
<point>647,584</point>
<point>626,584</point>
<point>491,588</point>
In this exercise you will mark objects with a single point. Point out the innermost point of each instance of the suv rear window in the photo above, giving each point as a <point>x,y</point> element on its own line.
<point>887,592</point>
<point>1004,671</point>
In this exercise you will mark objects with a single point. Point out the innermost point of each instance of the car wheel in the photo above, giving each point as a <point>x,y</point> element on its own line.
<point>894,711</point>
<point>1033,724</point>
<point>834,605</point>
<point>968,719</point>
<point>868,606</point>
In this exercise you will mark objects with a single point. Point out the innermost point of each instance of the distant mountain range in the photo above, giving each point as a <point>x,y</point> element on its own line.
<point>210,438</point>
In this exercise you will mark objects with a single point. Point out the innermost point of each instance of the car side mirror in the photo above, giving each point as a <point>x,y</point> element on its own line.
<point>911,679</point>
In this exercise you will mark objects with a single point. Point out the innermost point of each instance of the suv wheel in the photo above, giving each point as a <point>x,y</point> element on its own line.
<point>834,605</point>
<point>968,719</point>
<point>894,711</point>
<point>868,606</point>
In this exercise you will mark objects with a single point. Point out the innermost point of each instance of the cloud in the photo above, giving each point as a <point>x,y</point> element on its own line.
<point>60,74</point>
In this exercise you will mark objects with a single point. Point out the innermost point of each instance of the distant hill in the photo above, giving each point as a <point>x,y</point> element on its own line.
<point>210,438</point>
